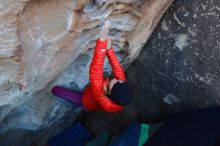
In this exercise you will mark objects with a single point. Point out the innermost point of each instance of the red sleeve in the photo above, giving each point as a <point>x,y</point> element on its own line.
<point>108,105</point>
<point>96,68</point>
<point>116,66</point>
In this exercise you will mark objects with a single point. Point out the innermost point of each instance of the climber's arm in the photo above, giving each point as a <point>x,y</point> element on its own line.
<point>96,67</point>
<point>115,64</point>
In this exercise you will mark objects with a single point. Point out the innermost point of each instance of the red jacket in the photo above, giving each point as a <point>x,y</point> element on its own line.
<point>93,96</point>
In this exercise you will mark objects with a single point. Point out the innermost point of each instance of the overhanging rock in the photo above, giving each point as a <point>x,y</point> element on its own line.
<point>44,43</point>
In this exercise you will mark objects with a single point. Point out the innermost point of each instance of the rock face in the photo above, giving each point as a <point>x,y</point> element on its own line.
<point>178,69</point>
<point>44,43</point>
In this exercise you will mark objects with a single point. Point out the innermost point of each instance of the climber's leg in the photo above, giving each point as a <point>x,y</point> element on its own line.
<point>77,135</point>
<point>129,137</point>
<point>68,94</point>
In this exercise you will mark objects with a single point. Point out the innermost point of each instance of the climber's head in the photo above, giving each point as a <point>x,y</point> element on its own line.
<point>120,92</point>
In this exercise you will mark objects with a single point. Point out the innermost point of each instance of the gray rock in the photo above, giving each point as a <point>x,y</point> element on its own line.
<point>179,68</point>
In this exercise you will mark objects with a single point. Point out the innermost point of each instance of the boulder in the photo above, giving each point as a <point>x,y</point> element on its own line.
<point>178,69</point>
<point>47,43</point>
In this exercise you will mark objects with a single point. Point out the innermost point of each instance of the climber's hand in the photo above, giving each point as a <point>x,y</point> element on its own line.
<point>104,31</point>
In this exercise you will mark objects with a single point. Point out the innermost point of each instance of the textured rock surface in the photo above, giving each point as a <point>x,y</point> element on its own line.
<point>179,69</point>
<point>44,43</point>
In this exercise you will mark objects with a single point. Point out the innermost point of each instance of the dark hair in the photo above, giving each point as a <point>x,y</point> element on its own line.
<point>121,93</point>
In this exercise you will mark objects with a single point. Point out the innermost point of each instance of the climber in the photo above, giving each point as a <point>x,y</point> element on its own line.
<point>101,93</point>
